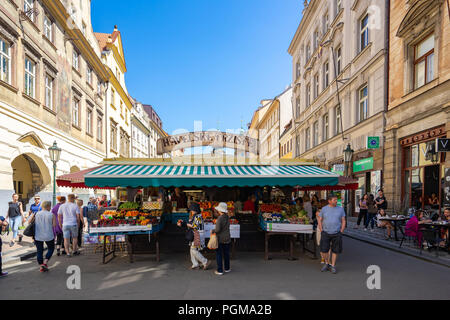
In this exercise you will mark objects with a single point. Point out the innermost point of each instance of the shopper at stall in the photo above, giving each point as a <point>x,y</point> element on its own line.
<point>222,232</point>
<point>57,229</point>
<point>80,222</point>
<point>103,202</point>
<point>315,201</point>
<point>195,224</point>
<point>363,209</point>
<point>249,205</point>
<point>3,225</point>
<point>44,222</point>
<point>331,224</point>
<point>90,213</point>
<point>69,218</point>
<point>308,206</point>
<point>15,216</point>
<point>180,198</point>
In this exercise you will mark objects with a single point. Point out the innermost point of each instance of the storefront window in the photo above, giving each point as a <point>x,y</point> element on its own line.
<point>407,188</point>
<point>423,147</point>
<point>417,188</point>
<point>415,156</point>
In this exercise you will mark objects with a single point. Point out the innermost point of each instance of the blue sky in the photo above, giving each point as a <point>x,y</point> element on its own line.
<point>203,60</point>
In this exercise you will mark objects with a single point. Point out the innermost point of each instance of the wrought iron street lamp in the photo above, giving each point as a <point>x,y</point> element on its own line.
<point>348,156</point>
<point>55,154</point>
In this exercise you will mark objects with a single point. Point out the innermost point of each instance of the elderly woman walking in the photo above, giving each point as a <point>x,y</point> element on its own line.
<point>222,232</point>
<point>44,221</point>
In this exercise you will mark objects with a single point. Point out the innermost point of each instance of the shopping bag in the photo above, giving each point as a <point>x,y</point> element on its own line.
<point>213,243</point>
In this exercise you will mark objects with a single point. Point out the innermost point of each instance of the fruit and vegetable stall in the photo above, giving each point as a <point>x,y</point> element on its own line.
<point>273,218</point>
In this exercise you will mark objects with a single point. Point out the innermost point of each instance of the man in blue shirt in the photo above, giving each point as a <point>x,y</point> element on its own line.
<point>331,224</point>
<point>36,206</point>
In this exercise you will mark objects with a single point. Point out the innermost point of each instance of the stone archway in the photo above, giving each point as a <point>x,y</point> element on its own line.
<point>30,176</point>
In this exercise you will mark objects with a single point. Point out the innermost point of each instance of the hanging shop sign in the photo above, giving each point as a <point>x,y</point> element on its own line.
<point>338,169</point>
<point>443,145</point>
<point>373,142</point>
<point>207,139</point>
<point>363,165</point>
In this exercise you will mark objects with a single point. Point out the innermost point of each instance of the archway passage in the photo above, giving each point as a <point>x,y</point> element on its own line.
<point>30,176</point>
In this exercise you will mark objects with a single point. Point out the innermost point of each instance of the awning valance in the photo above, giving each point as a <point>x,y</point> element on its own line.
<point>136,176</point>
<point>76,180</point>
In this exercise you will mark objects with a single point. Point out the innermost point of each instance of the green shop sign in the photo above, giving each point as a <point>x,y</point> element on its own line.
<point>373,142</point>
<point>363,165</point>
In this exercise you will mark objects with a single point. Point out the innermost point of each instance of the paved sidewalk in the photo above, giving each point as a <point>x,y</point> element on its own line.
<point>378,237</point>
<point>19,252</point>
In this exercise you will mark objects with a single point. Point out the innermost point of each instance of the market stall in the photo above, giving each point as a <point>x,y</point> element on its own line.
<point>152,173</point>
<point>131,222</point>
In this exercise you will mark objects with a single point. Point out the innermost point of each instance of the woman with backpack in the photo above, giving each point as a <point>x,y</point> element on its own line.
<point>193,236</point>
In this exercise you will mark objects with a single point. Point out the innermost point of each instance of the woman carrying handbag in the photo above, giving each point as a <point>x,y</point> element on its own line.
<point>222,231</point>
<point>194,226</point>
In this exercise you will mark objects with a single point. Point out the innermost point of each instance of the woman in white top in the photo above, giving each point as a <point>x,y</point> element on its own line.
<point>44,222</point>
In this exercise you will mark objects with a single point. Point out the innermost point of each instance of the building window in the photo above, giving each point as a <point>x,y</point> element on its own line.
<point>113,137</point>
<point>48,32</point>
<point>326,75</point>
<point>316,86</point>
<point>308,95</point>
<point>326,125</point>
<point>307,139</point>
<point>5,61</point>
<point>89,121</point>
<point>99,128</point>
<point>49,92</point>
<point>76,112</point>
<point>339,60</point>
<point>28,9</point>
<point>113,97</point>
<point>326,22</point>
<point>316,133</point>
<point>423,62</point>
<point>364,32</point>
<point>338,120</point>
<point>30,77</point>
<point>297,70</point>
<point>89,75</point>
<point>308,53</point>
<point>363,104</point>
<point>316,39</point>
<point>76,60</point>
<point>297,107</point>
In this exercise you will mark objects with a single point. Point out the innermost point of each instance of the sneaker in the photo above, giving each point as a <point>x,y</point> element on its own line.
<point>63,253</point>
<point>42,269</point>
<point>195,267</point>
<point>218,273</point>
<point>227,271</point>
<point>3,274</point>
<point>11,243</point>
<point>333,270</point>
<point>45,267</point>
<point>58,252</point>
<point>206,266</point>
<point>76,253</point>
<point>324,268</point>
<point>20,238</point>
<point>68,255</point>
<point>365,229</point>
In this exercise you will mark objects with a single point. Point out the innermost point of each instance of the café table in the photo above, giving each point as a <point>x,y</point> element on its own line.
<point>439,225</point>
<point>396,220</point>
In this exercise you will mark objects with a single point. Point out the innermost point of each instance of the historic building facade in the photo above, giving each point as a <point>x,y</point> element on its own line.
<point>339,86</point>
<point>119,105</point>
<point>51,89</point>
<point>419,104</point>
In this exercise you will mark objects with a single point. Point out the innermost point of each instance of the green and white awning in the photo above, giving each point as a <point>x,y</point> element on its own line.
<point>139,176</point>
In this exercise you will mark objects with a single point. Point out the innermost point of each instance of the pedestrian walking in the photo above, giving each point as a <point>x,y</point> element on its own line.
<point>35,207</point>
<point>363,209</point>
<point>44,222</point>
<point>57,230</point>
<point>194,225</point>
<point>331,225</point>
<point>69,217</point>
<point>15,216</point>
<point>222,231</point>
<point>3,226</point>
<point>81,222</point>
<point>371,213</point>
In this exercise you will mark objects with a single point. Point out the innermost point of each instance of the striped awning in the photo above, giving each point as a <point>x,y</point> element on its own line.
<point>137,176</point>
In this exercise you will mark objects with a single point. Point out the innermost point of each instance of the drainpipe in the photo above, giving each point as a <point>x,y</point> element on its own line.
<point>386,85</point>
<point>106,118</point>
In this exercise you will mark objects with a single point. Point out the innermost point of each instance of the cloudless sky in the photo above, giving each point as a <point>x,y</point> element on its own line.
<point>203,60</point>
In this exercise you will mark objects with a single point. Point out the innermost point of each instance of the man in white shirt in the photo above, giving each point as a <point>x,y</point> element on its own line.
<point>69,219</point>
